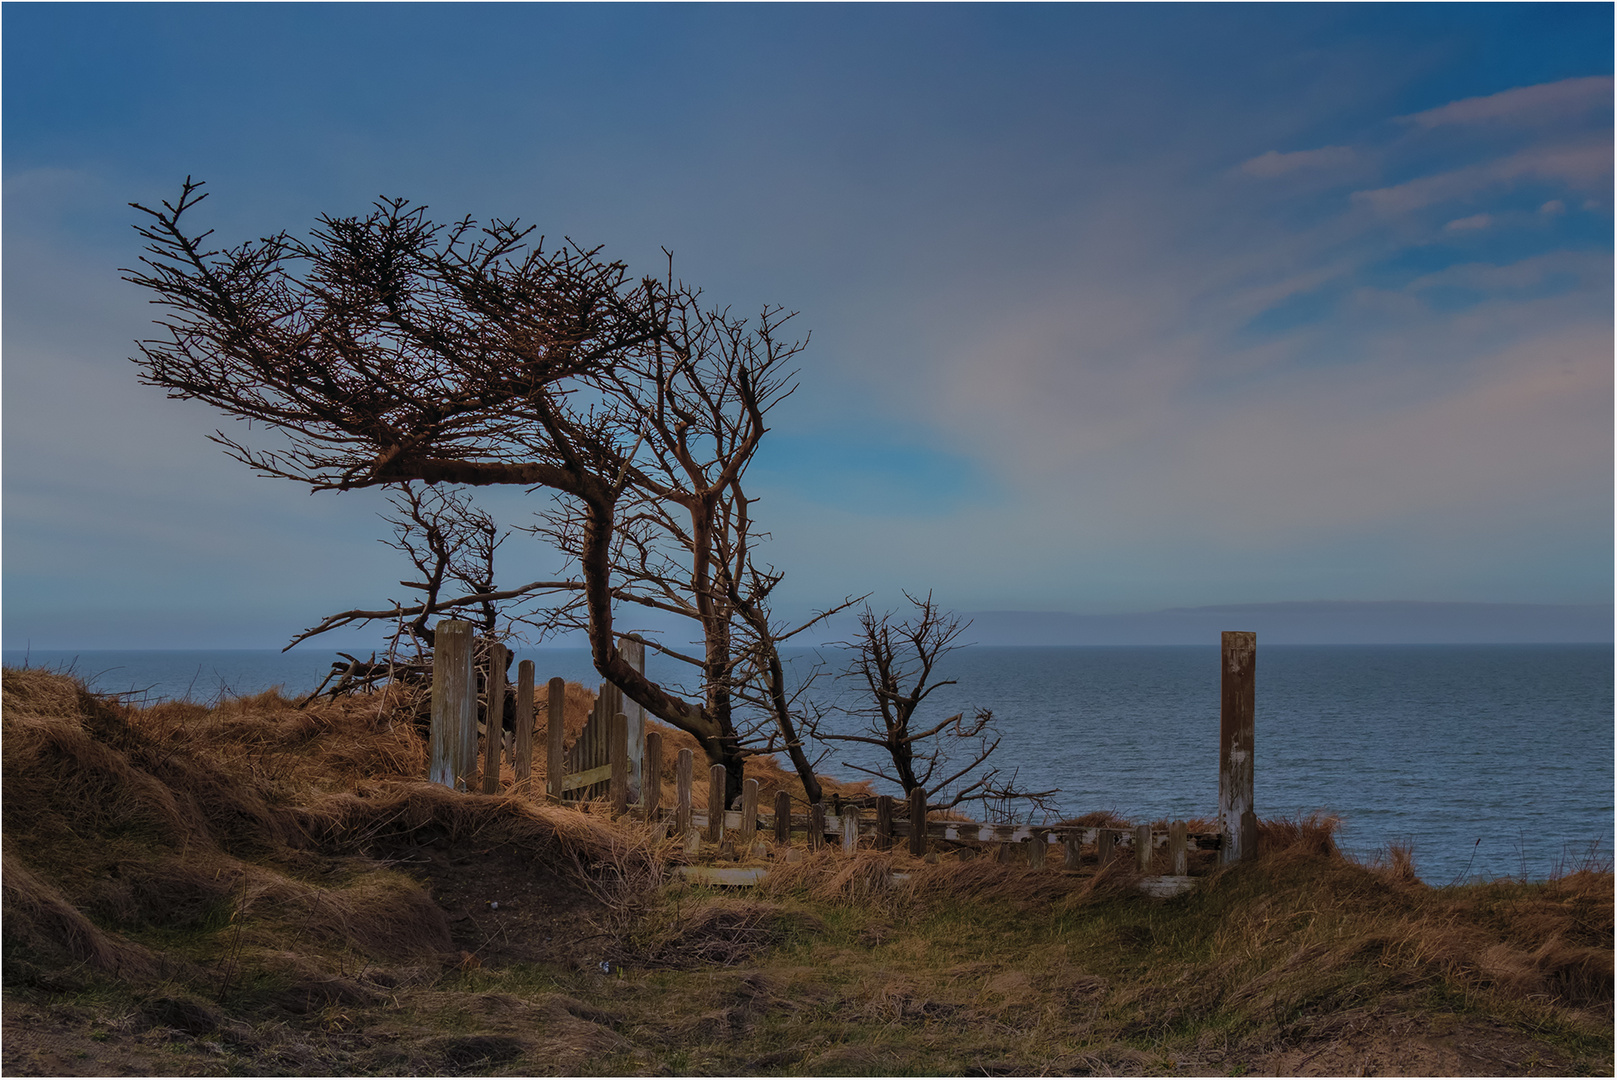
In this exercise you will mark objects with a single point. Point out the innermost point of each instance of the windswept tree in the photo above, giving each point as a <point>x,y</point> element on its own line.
<point>686,539</point>
<point>895,669</point>
<point>388,350</point>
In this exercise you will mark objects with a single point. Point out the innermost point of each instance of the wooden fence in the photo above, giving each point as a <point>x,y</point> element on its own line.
<point>615,758</point>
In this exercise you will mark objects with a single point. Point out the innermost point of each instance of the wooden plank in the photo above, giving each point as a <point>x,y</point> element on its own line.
<point>454,705</point>
<point>816,826</point>
<point>783,818</point>
<point>1178,858</point>
<point>494,719</point>
<point>651,791</point>
<point>850,830</point>
<point>749,812</point>
<point>682,787</point>
<point>917,801</point>
<point>586,779</point>
<point>884,823</point>
<point>1237,818</point>
<point>555,770</point>
<point>522,747</point>
<point>618,763</point>
<point>1142,847</point>
<point>715,803</point>
<point>722,875</point>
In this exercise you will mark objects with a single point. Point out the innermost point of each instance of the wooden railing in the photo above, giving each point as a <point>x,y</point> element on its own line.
<point>616,759</point>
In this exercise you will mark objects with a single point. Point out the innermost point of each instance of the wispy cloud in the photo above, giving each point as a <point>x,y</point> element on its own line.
<point>1585,166</point>
<point>1469,224</point>
<point>1522,105</point>
<point>1274,163</point>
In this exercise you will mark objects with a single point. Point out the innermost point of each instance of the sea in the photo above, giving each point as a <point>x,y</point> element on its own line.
<point>1488,761</point>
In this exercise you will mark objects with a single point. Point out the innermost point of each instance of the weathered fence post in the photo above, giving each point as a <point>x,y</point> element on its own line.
<point>1104,839</point>
<point>749,811</point>
<point>1035,852</point>
<point>917,799</point>
<point>783,818</point>
<point>651,788</point>
<point>716,777</point>
<point>617,750</point>
<point>816,829</point>
<point>555,763</point>
<point>1071,852</point>
<point>1142,847</point>
<point>522,749</point>
<point>454,704</point>
<point>1178,855</point>
<point>850,829</point>
<point>1236,817</point>
<point>884,823</point>
<point>682,792</point>
<point>635,653</point>
<point>494,718</point>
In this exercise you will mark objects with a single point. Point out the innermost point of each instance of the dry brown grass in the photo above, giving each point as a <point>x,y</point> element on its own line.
<point>251,817</point>
<point>290,867</point>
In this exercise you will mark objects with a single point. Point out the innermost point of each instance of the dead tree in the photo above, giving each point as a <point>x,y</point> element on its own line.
<point>387,349</point>
<point>895,664</point>
<point>451,546</point>
<point>685,537</point>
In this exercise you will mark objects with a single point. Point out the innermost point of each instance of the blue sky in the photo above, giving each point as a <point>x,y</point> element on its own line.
<point>1114,308</point>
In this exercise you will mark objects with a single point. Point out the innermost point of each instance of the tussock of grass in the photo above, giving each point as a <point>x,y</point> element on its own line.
<point>222,823</point>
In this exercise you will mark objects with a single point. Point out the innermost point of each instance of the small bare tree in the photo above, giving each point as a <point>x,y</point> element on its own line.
<point>451,544</point>
<point>896,661</point>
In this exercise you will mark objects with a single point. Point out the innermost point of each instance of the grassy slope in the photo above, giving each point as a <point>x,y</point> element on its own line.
<point>249,888</point>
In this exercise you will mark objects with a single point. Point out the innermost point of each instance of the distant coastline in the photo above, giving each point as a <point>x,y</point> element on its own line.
<point>1393,622</point>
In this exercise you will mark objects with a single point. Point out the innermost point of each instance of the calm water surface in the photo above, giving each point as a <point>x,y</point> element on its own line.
<point>1490,760</point>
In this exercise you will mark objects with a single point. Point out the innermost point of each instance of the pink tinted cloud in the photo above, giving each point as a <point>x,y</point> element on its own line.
<point>1523,105</point>
<point>1274,163</point>
<point>1584,165</point>
<point>1473,223</point>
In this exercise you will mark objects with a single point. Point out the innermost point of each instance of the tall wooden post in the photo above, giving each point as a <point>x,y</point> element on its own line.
<point>715,803</point>
<point>682,791</point>
<point>635,653</point>
<point>816,829</point>
<point>1237,819</point>
<point>850,829</point>
<point>917,803</point>
<point>454,705</point>
<point>884,823</point>
<point>494,719</point>
<point>617,759</point>
<point>749,811</point>
<point>783,818</point>
<point>1142,848</point>
<point>1178,855</point>
<point>522,751</point>
<point>555,763</point>
<point>651,792</point>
